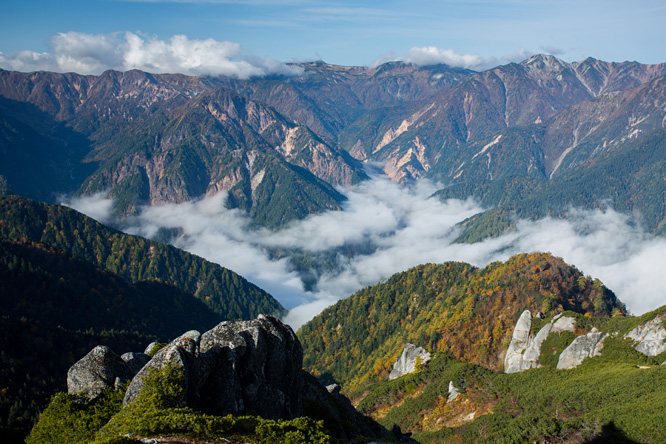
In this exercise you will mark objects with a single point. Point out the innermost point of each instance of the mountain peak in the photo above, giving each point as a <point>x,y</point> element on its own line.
<point>544,62</point>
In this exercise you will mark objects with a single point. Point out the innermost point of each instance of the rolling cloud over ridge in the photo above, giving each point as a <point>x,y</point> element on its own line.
<point>94,54</point>
<point>392,228</point>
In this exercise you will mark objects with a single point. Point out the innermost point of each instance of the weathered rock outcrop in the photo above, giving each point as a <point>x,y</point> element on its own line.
<point>583,347</point>
<point>513,360</point>
<point>406,363</point>
<point>240,367</point>
<point>525,350</point>
<point>650,337</point>
<point>99,369</point>
<point>453,392</point>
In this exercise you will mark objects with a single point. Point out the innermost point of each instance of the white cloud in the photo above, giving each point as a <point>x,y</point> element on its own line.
<point>93,54</point>
<point>432,55</point>
<point>398,227</point>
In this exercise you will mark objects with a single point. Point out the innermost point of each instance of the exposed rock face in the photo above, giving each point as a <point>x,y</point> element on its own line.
<point>561,324</point>
<point>453,392</point>
<point>96,371</point>
<point>650,337</point>
<point>260,359</point>
<point>513,360</point>
<point>583,347</point>
<point>171,354</point>
<point>406,363</point>
<point>135,361</point>
<point>525,350</point>
<point>241,367</point>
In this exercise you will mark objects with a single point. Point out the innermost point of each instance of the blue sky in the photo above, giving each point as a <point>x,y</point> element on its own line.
<point>339,32</point>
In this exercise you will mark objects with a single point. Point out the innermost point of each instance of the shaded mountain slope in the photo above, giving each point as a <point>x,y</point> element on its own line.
<point>56,307</point>
<point>42,284</point>
<point>133,258</point>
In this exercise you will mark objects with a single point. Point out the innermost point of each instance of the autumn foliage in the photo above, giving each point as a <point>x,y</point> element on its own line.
<point>452,307</point>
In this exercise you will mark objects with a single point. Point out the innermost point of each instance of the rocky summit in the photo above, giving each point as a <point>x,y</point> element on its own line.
<point>238,367</point>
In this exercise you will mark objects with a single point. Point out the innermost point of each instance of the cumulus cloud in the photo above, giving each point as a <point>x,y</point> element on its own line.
<point>393,228</point>
<point>432,55</point>
<point>93,54</point>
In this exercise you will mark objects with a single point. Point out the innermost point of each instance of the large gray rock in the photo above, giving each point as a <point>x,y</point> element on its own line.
<point>99,369</point>
<point>171,354</point>
<point>563,323</point>
<point>453,392</point>
<point>406,363</point>
<point>520,340</point>
<point>650,337</point>
<point>583,347</point>
<point>241,367</point>
<point>135,361</point>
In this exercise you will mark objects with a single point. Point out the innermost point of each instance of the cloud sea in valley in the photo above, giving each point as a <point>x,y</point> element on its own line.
<point>386,228</point>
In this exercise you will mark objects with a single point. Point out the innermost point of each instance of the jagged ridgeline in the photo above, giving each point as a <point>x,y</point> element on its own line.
<point>452,307</point>
<point>133,258</point>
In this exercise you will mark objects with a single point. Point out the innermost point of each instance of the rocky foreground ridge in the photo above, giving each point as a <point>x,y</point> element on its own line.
<point>238,367</point>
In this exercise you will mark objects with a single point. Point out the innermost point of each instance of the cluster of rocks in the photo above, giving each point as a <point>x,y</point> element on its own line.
<point>240,367</point>
<point>525,349</point>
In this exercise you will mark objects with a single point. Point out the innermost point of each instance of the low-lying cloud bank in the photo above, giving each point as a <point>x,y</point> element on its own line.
<point>398,227</point>
<point>94,54</point>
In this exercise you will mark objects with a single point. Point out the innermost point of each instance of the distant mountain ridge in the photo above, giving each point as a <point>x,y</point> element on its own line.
<point>514,134</point>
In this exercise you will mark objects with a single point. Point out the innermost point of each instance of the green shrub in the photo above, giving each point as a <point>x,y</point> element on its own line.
<point>72,419</point>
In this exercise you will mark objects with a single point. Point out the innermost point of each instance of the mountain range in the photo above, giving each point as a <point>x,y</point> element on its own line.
<point>525,139</point>
<point>527,350</point>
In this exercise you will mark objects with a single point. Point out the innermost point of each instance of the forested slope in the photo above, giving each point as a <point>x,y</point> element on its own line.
<point>133,258</point>
<point>452,307</point>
